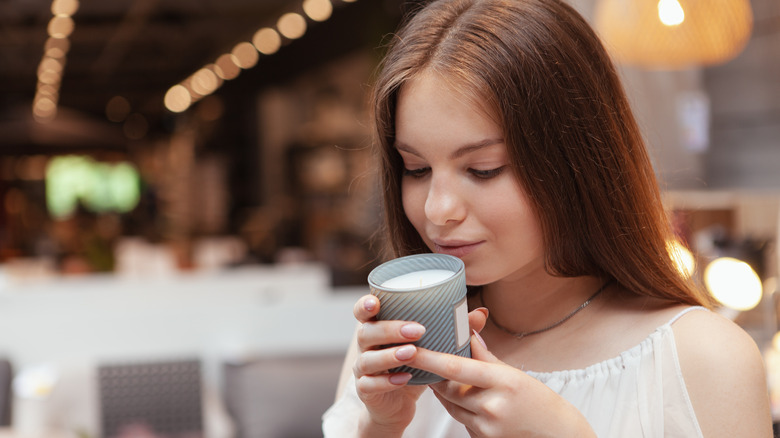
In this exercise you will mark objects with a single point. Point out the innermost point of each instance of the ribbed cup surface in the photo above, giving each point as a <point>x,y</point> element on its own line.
<point>434,306</point>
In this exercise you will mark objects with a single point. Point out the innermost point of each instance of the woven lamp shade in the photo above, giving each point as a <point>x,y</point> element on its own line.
<point>711,32</point>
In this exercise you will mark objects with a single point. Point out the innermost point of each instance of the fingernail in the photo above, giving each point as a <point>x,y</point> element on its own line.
<point>484,310</point>
<point>369,304</point>
<point>479,338</point>
<point>412,331</point>
<point>400,379</point>
<point>405,353</point>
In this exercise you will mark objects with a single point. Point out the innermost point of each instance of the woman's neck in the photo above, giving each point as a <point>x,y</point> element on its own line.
<point>536,301</point>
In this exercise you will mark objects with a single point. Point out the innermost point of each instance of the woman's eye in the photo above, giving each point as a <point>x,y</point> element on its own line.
<point>487,174</point>
<point>417,173</point>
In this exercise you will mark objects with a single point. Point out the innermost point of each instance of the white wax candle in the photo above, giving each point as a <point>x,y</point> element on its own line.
<point>418,279</point>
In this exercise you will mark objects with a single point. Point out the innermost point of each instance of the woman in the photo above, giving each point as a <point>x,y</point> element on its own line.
<point>508,142</point>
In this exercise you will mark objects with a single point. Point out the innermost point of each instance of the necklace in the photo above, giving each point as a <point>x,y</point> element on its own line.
<point>521,335</point>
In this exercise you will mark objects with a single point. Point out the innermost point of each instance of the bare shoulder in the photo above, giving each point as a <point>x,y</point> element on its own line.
<point>724,373</point>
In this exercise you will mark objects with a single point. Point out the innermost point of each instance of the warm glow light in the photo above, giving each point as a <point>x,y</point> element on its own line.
<point>245,55</point>
<point>226,67</point>
<point>734,283</point>
<point>776,341</point>
<point>49,77</point>
<point>64,7</point>
<point>47,90</point>
<point>318,10</point>
<point>56,47</point>
<point>670,12</point>
<point>178,99</point>
<point>204,81</point>
<point>292,25</point>
<point>44,109</point>
<point>50,64</point>
<point>660,34</point>
<point>60,26</point>
<point>682,257</point>
<point>267,41</point>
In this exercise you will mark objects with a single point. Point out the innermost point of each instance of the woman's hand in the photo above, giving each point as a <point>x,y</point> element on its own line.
<point>493,399</point>
<point>389,401</point>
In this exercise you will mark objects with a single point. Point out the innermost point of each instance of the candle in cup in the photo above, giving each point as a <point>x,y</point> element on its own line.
<point>418,279</point>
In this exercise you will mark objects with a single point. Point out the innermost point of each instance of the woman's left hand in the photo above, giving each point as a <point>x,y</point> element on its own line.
<point>494,399</point>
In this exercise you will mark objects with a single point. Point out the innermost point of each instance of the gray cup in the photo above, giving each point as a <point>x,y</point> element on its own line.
<point>440,306</point>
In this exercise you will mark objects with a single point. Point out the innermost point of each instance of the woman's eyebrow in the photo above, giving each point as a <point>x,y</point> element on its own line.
<point>459,152</point>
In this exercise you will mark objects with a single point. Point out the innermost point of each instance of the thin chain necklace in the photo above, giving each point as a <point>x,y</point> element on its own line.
<point>521,335</point>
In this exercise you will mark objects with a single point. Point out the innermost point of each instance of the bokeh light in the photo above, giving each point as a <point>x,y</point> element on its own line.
<point>178,99</point>
<point>60,26</point>
<point>267,41</point>
<point>318,10</point>
<point>100,187</point>
<point>226,67</point>
<point>292,25</point>
<point>245,55</point>
<point>117,109</point>
<point>733,283</point>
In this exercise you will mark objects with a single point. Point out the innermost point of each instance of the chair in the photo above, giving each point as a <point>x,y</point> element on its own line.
<point>157,397</point>
<point>281,397</point>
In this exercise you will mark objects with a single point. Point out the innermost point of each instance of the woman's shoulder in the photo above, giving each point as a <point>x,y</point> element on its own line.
<point>724,374</point>
<point>706,337</point>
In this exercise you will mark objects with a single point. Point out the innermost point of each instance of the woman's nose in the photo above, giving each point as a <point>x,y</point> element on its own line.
<point>444,204</point>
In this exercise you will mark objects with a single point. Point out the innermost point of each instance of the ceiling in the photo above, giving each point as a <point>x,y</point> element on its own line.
<point>138,49</point>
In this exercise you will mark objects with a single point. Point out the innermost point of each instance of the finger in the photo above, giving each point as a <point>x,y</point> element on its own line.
<point>479,350</point>
<point>366,308</point>
<point>456,409</point>
<point>379,361</point>
<point>382,383</point>
<point>478,318</point>
<point>374,334</point>
<point>451,367</point>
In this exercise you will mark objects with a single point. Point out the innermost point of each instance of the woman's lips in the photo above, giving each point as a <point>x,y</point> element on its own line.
<point>457,249</point>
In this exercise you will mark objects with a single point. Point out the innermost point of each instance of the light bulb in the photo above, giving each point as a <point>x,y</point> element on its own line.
<point>670,12</point>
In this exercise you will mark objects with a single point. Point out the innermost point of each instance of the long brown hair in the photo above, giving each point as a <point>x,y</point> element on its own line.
<point>541,71</point>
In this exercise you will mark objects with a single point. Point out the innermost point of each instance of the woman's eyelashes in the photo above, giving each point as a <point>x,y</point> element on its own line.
<point>421,172</point>
<point>487,174</point>
<point>417,173</point>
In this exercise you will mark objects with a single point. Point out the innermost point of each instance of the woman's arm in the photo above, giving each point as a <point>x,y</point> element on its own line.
<point>725,376</point>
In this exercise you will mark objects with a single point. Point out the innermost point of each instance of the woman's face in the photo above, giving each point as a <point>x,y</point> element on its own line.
<point>458,188</point>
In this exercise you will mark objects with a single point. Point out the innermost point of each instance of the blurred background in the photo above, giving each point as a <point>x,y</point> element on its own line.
<point>188,201</point>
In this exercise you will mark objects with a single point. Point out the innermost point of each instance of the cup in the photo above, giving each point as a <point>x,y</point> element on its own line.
<point>437,301</point>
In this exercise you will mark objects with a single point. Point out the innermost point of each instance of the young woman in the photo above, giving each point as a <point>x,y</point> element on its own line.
<point>507,141</point>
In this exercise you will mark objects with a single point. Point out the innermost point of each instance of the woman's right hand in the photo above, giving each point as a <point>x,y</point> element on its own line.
<point>389,401</point>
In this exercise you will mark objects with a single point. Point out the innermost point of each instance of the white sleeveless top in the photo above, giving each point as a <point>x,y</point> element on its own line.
<point>640,393</point>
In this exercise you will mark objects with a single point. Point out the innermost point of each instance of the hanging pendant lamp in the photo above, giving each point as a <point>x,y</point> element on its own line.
<point>674,34</point>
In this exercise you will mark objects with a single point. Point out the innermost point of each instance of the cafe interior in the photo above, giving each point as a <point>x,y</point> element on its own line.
<point>189,207</point>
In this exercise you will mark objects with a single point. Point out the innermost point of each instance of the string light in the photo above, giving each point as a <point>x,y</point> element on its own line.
<point>52,65</point>
<point>318,10</point>
<point>291,25</point>
<point>245,55</point>
<point>267,41</point>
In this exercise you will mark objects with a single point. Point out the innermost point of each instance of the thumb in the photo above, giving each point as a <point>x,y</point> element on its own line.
<point>478,318</point>
<point>479,350</point>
